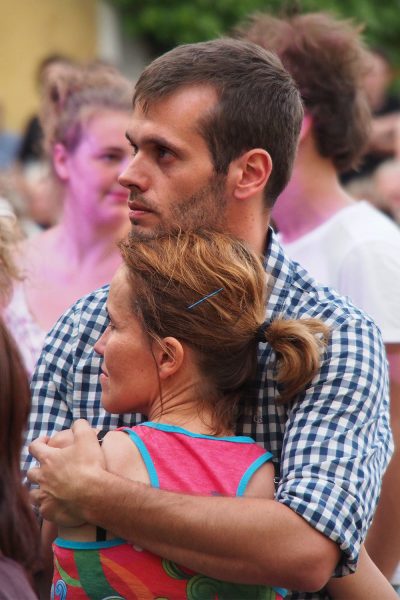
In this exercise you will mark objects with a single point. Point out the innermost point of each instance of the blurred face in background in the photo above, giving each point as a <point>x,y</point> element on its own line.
<point>377,80</point>
<point>387,188</point>
<point>90,171</point>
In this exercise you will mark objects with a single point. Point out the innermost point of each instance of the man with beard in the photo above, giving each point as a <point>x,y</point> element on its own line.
<point>214,134</point>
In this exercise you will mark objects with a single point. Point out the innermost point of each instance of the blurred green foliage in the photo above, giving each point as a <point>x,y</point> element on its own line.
<point>165,23</point>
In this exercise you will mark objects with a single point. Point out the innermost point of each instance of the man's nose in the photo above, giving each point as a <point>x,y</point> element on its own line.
<point>134,175</point>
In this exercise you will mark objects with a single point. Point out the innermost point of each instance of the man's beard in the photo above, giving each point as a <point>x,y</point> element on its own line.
<point>206,208</point>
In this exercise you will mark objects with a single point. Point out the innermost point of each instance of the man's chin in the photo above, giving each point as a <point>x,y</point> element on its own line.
<point>144,233</point>
<point>138,232</point>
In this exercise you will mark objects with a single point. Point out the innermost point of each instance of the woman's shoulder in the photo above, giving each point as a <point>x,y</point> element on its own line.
<point>123,456</point>
<point>13,581</point>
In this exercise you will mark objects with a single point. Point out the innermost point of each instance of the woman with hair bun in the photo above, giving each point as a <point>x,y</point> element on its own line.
<point>84,116</point>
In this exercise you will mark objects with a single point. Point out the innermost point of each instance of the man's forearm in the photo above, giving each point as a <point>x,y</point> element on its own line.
<point>245,540</point>
<point>383,541</point>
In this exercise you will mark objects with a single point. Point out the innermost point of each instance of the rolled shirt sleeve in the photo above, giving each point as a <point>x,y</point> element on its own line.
<point>338,443</point>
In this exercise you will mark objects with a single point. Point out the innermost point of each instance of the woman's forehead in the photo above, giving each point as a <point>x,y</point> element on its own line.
<point>120,290</point>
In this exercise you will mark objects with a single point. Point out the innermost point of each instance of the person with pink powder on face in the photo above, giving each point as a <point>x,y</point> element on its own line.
<point>84,114</point>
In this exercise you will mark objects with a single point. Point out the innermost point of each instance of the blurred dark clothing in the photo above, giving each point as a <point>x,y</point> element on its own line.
<point>372,160</point>
<point>31,144</point>
<point>14,583</point>
<point>392,104</point>
<point>9,146</point>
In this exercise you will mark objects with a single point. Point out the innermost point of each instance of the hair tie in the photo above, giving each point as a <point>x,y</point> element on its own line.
<point>260,336</point>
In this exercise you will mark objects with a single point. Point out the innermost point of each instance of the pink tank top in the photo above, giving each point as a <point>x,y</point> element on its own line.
<point>180,461</point>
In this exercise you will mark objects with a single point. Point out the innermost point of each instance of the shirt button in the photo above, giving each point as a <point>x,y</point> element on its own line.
<point>258,419</point>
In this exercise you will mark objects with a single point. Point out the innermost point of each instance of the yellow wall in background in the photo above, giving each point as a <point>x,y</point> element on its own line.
<point>30,30</point>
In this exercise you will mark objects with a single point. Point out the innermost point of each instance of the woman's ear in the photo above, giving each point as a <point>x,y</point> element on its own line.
<point>60,161</point>
<point>250,173</point>
<point>168,356</point>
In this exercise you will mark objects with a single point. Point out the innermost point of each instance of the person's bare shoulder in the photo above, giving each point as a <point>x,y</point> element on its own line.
<point>123,457</point>
<point>261,485</point>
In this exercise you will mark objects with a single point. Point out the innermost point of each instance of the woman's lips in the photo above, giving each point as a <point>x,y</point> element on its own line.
<point>119,197</point>
<point>104,381</point>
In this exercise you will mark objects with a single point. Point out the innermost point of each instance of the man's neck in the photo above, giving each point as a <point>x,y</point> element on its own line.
<point>252,227</point>
<point>311,198</point>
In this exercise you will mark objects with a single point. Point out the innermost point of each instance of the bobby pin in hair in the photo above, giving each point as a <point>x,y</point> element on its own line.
<point>205,298</point>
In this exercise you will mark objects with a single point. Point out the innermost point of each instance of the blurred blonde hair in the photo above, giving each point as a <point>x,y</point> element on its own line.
<point>10,235</point>
<point>73,93</point>
<point>170,273</point>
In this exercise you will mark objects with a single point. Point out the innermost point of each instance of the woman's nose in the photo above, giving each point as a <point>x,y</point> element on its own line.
<point>100,344</point>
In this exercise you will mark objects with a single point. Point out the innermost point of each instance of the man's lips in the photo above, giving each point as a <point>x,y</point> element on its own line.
<point>138,206</point>
<point>136,209</point>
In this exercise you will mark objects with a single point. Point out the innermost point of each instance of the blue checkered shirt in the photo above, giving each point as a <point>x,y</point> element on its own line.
<point>331,446</point>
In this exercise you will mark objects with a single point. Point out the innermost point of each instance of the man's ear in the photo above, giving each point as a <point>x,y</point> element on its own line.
<point>168,356</point>
<point>60,161</point>
<point>249,173</point>
<point>306,126</point>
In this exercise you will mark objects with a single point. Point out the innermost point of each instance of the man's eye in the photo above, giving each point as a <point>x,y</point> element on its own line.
<point>164,152</point>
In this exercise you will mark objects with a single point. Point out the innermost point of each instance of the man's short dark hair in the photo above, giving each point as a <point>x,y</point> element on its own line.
<point>327,60</point>
<point>258,103</point>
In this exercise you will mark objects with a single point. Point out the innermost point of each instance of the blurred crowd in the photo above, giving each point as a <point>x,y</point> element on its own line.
<point>62,212</point>
<point>377,177</point>
<point>46,203</point>
<point>61,186</point>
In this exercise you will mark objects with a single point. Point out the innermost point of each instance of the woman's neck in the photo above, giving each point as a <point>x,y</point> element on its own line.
<point>86,238</point>
<point>199,426</point>
<point>188,410</point>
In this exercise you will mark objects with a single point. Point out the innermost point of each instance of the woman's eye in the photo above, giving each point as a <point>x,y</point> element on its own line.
<point>110,324</point>
<point>110,157</point>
